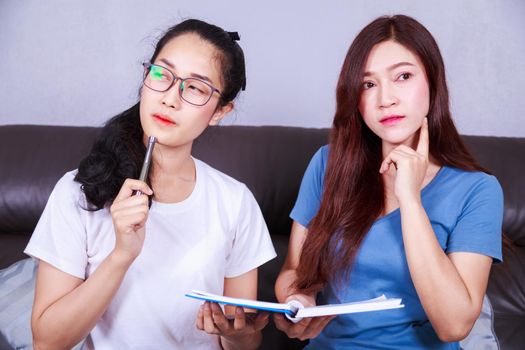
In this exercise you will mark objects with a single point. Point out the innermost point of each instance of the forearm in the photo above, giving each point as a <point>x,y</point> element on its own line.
<point>283,285</point>
<point>68,320</point>
<point>246,342</point>
<point>443,294</point>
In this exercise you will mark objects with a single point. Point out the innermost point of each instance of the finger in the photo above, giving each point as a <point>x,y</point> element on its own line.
<point>393,158</point>
<point>282,324</point>
<point>131,219</point>
<point>308,324</point>
<point>240,319</point>
<point>261,320</point>
<point>315,331</point>
<point>385,165</point>
<point>138,210</point>
<point>322,324</point>
<point>209,325</point>
<point>131,185</point>
<point>220,321</point>
<point>390,159</point>
<point>200,318</point>
<point>129,202</point>
<point>400,155</point>
<point>403,149</point>
<point>313,326</point>
<point>297,330</point>
<point>286,327</point>
<point>422,145</point>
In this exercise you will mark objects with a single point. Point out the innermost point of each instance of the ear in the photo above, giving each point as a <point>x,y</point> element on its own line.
<point>220,113</point>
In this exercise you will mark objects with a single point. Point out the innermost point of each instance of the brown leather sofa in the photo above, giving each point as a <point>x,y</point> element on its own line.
<point>270,160</point>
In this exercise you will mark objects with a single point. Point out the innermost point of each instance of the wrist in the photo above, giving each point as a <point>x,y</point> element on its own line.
<point>409,199</point>
<point>121,259</point>
<point>411,206</point>
<point>244,341</point>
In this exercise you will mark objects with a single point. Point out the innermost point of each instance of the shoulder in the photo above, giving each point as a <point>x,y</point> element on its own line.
<point>216,180</point>
<point>68,193</point>
<point>67,187</point>
<point>461,188</point>
<point>319,160</point>
<point>322,154</point>
<point>470,181</point>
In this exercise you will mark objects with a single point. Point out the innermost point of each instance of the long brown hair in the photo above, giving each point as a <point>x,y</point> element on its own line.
<point>353,193</point>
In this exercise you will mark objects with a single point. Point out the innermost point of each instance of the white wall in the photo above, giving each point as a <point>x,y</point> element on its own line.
<point>78,62</point>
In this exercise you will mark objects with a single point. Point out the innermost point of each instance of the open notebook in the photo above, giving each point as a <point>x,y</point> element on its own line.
<point>296,310</point>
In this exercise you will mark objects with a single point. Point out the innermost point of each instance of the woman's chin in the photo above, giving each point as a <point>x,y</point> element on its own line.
<point>398,139</point>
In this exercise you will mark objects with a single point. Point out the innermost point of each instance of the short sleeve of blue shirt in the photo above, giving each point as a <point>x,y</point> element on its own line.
<point>478,227</point>
<point>310,193</point>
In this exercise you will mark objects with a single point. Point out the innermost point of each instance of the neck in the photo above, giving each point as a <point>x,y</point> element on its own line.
<point>172,163</point>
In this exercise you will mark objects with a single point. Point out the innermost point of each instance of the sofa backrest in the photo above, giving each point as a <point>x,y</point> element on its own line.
<point>32,159</point>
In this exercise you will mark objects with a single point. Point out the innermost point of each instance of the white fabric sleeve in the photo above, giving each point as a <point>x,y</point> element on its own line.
<point>60,235</point>
<point>252,245</point>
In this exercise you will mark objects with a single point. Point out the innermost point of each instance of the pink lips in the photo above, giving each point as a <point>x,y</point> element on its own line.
<point>163,120</point>
<point>391,119</point>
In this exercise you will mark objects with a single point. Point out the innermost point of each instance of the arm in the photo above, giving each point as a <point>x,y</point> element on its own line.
<point>450,288</point>
<point>60,318</point>
<point>453,309</point>
<point>307,328</point>
<point>241,332</point>
<point>66,308</point>
<point>288,275</point>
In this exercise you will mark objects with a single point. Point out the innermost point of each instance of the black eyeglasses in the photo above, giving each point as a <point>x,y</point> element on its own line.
<point>192,90</point>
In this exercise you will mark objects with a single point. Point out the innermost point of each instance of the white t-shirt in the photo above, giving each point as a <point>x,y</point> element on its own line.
<point>217,232</point>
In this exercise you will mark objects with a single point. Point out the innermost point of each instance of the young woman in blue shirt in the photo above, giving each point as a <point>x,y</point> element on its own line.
<point>394,205</point>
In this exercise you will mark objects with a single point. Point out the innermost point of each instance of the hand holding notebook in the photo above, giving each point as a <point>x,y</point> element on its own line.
<point>294,311</point>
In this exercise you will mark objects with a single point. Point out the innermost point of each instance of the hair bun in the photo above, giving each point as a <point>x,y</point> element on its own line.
<point>234,36</point>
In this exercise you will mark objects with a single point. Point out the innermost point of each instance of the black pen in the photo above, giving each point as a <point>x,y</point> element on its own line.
<point>147,160</point>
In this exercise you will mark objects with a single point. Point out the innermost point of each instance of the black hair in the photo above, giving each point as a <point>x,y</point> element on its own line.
<point>231,56</point>
<point>119,150</point>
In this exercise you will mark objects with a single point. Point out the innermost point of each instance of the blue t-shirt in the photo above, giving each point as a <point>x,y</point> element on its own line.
<point>466,213</point>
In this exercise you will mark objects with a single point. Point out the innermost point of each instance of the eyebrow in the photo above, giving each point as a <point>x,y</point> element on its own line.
<point>392,67</point>
<point>193,75</point>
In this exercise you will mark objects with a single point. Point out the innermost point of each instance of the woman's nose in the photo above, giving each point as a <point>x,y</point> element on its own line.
<point>387,97</point>
<point>171,97</point>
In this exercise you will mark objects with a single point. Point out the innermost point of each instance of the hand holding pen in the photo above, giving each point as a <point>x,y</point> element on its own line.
<point>129,212</point>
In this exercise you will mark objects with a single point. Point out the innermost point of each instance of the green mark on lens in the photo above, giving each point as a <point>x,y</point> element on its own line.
<point>156,72</point>
<point>182,86</point>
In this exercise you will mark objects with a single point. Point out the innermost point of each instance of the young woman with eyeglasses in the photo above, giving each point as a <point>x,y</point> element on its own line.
<point>394,205</point>
<point>115,270</point>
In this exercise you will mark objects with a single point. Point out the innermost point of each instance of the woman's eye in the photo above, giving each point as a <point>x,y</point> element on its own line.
<point>368,85</point>
<point>405,76</point>
<point>195,89</point>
